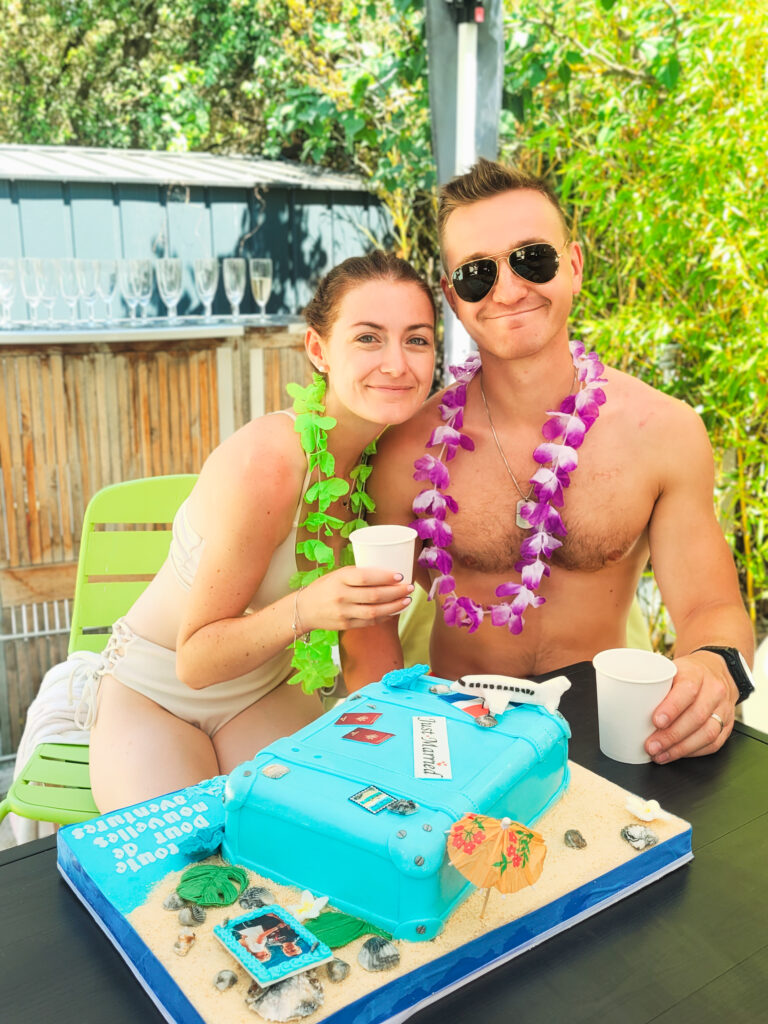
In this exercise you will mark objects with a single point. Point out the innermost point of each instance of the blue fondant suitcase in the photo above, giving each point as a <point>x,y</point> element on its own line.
<point>363,818</point>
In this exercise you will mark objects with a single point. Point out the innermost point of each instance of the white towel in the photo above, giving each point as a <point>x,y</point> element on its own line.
<point>62,712</point>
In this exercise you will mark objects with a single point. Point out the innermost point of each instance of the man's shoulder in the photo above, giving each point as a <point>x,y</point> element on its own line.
<point>405,439</point>
<point>392,484</point>
<point>628,396</point>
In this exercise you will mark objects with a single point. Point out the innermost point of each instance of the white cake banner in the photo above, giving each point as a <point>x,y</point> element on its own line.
<point>431,754</point>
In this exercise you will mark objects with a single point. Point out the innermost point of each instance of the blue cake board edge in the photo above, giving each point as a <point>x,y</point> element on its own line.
<point>399,999</point>
<point>169,999</point>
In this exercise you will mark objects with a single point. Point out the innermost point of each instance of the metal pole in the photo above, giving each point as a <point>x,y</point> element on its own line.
<point>457,342</point>
<point>466,97</point>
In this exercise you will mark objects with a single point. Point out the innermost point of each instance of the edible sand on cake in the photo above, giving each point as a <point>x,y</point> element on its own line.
<point>592,805</point>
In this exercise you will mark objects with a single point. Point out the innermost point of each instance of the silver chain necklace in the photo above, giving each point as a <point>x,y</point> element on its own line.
<point>521,522</point>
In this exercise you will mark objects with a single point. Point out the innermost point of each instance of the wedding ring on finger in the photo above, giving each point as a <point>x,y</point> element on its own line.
<point>718,719</point>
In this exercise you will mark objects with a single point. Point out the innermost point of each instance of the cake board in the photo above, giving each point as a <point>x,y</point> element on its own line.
<point>121,872</point>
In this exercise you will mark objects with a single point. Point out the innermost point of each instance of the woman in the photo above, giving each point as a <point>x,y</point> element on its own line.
<point>197,669</point>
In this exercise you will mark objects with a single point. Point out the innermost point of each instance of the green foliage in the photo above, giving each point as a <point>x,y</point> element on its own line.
<point>347,88</point>
<point>652,123</point>
<point>650,118</point>
<point>330,82</point>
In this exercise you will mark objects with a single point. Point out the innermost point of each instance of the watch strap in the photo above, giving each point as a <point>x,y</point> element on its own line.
<point>736,665</point>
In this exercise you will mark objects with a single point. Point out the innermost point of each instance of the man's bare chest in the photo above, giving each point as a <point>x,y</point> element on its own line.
<point>606,512</point>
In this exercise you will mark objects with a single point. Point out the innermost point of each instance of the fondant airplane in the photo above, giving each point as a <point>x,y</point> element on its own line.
<point>497,692</point>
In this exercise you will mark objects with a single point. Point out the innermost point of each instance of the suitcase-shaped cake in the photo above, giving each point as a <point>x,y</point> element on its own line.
<point>357,805</point>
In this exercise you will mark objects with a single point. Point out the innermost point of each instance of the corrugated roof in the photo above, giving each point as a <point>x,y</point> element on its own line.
<point>149,167</point>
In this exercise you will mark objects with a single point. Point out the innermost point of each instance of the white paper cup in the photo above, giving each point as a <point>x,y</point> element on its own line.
<point>630,686</point>
<point>385,547</point>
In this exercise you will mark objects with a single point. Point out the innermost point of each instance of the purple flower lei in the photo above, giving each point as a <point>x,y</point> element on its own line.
<point>564,431</point>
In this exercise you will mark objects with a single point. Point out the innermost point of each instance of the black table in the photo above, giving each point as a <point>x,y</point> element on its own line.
<point>692,947</point>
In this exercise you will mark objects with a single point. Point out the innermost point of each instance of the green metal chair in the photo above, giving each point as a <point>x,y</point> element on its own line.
<point>125,540</point>
<point>54,785</point>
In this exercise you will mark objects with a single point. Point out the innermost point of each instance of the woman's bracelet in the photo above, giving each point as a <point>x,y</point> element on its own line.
<point>296,626</point>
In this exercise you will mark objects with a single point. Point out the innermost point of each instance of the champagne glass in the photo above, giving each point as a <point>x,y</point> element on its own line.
<point>206,281</point>
<point>87,278</point>
<point>234,282</point>
<point>142,275</point>
<point>168,273</point>
<point>261,282</point>
<point>70,287</point>
<point>49,278</point>
<point>7,289</point>
<point>106,284</point>
<point>32,284</point>
<point>128,287</point>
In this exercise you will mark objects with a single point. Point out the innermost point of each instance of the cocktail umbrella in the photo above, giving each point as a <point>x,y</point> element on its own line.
<point>499,853</point>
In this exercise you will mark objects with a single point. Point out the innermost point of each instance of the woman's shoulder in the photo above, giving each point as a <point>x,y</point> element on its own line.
<point>263,440</point>
<point>261,465</point>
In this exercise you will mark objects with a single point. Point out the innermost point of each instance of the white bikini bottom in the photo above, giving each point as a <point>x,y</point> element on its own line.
<point>150,669</point>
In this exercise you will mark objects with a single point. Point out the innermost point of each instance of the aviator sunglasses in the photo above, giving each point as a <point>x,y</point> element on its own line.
<point>537,263</point>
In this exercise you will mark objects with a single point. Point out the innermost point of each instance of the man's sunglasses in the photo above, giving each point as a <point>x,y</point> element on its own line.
<point>537,263</point>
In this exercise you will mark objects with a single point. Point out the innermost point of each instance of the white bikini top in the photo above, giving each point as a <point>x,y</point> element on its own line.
<point>187,548</point>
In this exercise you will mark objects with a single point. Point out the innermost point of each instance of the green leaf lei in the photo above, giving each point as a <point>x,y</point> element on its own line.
<point>313,653</point>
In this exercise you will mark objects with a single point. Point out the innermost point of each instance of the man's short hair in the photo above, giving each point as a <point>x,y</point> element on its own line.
<point>486,179</point>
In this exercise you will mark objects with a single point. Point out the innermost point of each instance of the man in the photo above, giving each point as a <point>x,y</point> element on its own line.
<point>580,536</point>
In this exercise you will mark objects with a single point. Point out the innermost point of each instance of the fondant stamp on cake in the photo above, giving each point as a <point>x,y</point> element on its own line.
<point>372,799</point>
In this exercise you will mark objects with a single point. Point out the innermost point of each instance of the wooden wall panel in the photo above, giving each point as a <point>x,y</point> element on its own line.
<point>280,367</point>
<point>73,421</point>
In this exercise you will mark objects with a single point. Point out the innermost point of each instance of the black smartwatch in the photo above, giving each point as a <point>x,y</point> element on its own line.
<point>737,666</point>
